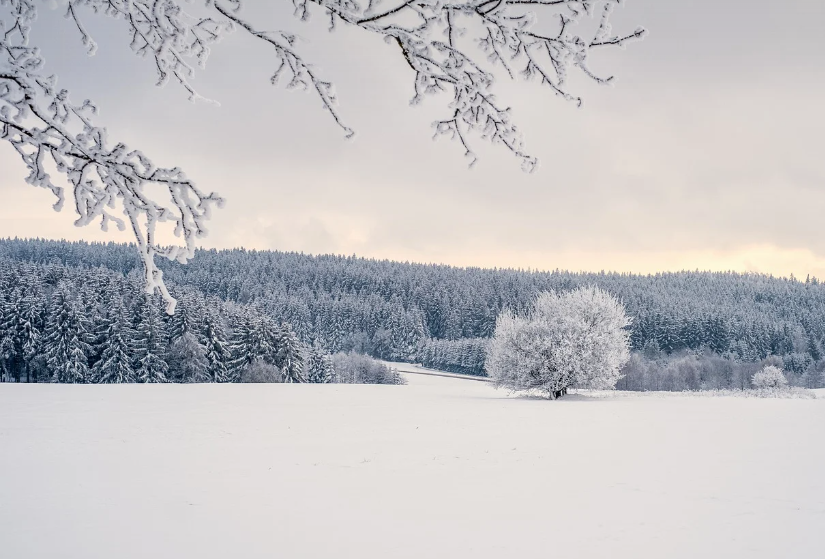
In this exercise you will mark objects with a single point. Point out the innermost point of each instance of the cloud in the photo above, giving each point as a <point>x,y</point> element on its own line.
<point>705,154</point>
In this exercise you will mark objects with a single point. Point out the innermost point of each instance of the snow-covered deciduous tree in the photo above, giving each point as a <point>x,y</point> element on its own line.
<point>573,339</point>
<point>456,47</point>
<point>769,377</point>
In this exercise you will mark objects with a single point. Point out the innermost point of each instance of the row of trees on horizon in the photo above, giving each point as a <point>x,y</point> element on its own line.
<point>73,325</point>
<point>442,316</point>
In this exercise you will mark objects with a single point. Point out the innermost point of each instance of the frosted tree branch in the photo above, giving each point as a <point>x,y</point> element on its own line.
<point>504,31</point>
<point>48,129</point>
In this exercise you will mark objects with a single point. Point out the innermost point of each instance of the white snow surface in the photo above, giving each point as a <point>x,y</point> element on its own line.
<point>439,468</point>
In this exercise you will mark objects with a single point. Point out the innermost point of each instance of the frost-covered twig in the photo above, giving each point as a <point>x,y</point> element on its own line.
<point>505,32</point>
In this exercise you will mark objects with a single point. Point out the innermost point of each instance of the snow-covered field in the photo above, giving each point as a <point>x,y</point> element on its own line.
<point>440,468</point>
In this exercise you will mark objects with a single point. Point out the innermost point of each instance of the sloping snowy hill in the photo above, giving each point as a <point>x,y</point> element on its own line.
<point>439,468</point>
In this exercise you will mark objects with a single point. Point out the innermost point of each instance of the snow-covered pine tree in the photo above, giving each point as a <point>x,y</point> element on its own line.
<point>114,364</point>
<point>183,321</point>
<point>289,355</point>
<point>319,367</point>
<point>239,344</point>
<point>218,353</point>
<point>66,344</point>
<point>21,327</point>
<point>30,330</point>
<point>9,345</point>
<point>256,338</point>
<point>150,346</point>
<point>187,360</point>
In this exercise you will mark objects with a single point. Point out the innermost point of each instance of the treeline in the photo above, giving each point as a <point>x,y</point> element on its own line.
<point>391,309</point>
<point>394,310</point>
<point>94,325</point>
<point>456,356</point>
<point>706,370</point>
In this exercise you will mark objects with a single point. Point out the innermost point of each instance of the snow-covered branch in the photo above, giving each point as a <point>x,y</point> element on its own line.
<point>47,128</point>
<point>434,38</point>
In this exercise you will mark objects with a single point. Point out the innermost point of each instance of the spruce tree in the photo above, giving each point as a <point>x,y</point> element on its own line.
<point>150,346</point>
<point>218,354</point>
<point>184,320</point>
<point>289,356</point>
<point>256,337</point>
<point>66,344</point>
<point>187,360</point>
<point>319,367</point>
<point>115,350</point>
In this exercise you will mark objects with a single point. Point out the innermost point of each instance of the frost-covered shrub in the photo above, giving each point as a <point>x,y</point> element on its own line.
<point>260,371</point>
<point>352,368</point>
<point>577,339</point>
<point>770,377</point>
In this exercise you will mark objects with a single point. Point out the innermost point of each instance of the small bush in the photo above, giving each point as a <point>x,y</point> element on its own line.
<point>260,371</point>
<point>769,377</point>
<point>352,368</point>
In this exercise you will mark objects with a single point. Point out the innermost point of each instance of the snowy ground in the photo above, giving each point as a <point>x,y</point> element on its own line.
<point>440,468</point>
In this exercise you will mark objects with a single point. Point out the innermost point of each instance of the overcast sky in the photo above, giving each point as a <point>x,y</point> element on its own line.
<point>707,153</point>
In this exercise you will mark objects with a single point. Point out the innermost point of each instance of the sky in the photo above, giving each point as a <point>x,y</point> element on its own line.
<point>705,154</point>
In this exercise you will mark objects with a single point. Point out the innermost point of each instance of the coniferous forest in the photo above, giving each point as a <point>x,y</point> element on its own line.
<point>76,312</point>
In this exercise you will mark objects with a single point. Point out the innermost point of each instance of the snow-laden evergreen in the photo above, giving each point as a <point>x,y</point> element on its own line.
<point>187,360</point>
<point>216,346</point>
<point>65,346</point>
<point>392,310</point>
<point>289,356</point>
<point>319,366</point>
<point>21,332</point>
<point>150,354</point>
<point>114,363</point>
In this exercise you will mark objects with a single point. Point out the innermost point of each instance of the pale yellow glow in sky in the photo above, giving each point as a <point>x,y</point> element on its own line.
<point>30,216</point>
